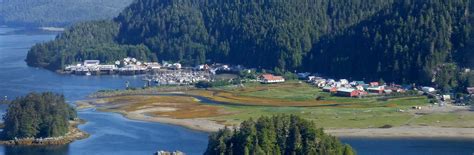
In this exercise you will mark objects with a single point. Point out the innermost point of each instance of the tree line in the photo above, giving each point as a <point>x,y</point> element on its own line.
<point>276,135</point>
<point>401,41</point>
<point>37,115</point>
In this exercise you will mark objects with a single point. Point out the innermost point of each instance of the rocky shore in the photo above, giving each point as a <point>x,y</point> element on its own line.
<point>74,134</point>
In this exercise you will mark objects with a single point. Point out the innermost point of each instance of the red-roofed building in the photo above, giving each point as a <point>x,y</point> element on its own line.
<point>269,78</point>
<point>330,89</point>
<point>350,92</point>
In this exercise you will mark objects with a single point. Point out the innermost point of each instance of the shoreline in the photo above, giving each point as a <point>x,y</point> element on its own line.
<point>206,125</point>
<point>73,134</point>
<point>395,132</point>
<point>203,125</point>
<point>405,132</point>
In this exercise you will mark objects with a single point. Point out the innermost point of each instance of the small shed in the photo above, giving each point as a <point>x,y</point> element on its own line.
<point>470,90</point>
<point>446,97</point>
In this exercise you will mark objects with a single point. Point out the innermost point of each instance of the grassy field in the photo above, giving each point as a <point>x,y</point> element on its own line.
<point>297,94</point>
<point>254,100</point>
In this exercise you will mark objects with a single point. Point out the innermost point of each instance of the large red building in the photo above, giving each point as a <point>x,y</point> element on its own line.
<point>349,92</point>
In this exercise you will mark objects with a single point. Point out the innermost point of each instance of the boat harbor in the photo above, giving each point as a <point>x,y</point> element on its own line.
<point>154,72</point>
<point>178,77</point>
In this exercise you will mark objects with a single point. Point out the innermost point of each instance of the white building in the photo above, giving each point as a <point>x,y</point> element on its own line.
<point>428,89</point>
<point>89,63</point>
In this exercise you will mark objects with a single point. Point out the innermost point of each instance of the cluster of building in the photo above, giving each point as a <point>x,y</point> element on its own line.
<point>127,66</point>
<point>176,74</point>
<point>345,88</point>
<point>217,68</point>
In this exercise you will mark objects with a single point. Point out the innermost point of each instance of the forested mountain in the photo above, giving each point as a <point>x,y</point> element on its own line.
<point>406,42</point>
<point>92,40</point>
<point>395,40</point>
<point>276,135</point>
<point>57,12</point>
<point>37,115</point>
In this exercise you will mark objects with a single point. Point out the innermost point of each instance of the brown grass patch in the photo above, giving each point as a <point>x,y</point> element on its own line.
<point>179,107</point>
<point>234,97</point>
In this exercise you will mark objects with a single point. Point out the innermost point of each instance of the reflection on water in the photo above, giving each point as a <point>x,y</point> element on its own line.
<point>50,150</point>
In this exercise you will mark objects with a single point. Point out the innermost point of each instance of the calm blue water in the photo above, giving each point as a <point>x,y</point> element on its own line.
<point>113,134</point>
<point>110,133</point>
<point>411,146</point>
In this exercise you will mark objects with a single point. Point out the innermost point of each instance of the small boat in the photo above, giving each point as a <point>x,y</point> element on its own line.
<point>88,74</point>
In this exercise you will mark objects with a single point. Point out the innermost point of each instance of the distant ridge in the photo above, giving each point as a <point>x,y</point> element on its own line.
<point>58,13</point>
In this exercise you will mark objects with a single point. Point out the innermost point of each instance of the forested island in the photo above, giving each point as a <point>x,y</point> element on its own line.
<point>402,41</point>
<point>40,119</point>
<point>58,13</point>
<point>281,134</point>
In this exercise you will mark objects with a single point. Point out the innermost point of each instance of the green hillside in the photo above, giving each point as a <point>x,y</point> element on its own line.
<point>395,40</point>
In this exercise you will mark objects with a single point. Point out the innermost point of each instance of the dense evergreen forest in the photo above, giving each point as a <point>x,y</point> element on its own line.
<point>395,40</point>
<point>91,40</point>
<point>57,12</point>
<point>276,135</point>
<point>37,115</point>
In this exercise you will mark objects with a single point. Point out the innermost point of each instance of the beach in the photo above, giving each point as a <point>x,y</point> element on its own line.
<point>209,124</point>
<point>396,132</point>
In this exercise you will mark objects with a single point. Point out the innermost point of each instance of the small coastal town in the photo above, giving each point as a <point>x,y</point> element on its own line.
<point>176,74</point>
<point>223,77</point>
